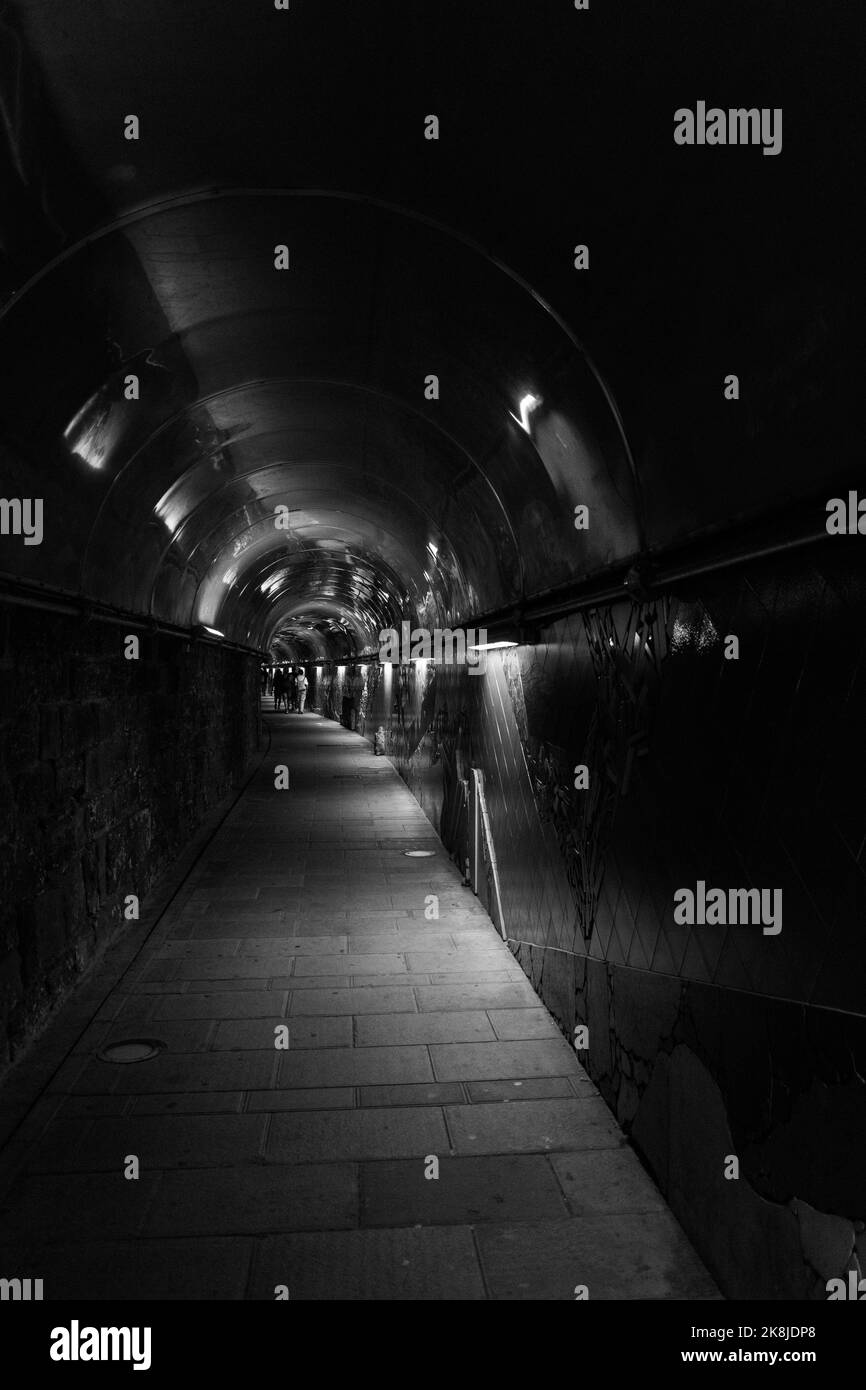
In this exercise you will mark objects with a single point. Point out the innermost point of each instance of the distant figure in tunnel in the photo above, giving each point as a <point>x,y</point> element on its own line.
<point>292,691</point>
<point>279,688</point>
<point>302,688</point>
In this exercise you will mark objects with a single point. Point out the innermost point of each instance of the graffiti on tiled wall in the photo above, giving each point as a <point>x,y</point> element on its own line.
<point>579,799</point>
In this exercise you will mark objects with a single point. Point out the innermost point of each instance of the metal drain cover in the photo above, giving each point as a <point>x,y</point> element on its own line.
<point>131,1050</point>
<point>419,853</point>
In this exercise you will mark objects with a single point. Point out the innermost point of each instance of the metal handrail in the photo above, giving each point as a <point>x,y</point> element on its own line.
<point>481,805</point>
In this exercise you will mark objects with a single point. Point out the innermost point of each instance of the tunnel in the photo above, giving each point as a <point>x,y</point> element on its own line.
<point>519,955</point>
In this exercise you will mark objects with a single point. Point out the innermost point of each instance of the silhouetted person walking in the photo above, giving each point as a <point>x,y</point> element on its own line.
<point>279,689</point>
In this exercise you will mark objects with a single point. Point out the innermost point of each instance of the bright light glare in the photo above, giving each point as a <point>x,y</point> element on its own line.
<point>526,407</point>
<point>87,434</point>
<point>491,646</point>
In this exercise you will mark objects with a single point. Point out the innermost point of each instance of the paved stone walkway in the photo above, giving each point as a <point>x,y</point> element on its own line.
<point>411,1042</point>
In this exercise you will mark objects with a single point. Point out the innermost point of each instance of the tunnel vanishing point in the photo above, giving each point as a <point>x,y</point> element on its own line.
<point>537,973</point>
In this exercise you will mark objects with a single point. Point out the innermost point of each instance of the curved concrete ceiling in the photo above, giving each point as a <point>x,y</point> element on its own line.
<point>287,452</point>
<point>304,389</point>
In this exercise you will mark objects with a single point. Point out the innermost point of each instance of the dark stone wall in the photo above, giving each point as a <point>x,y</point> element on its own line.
<point>706,1041</point>
<point>107,767</point>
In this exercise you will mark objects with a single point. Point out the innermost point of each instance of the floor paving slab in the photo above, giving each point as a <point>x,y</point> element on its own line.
<point>255,1200</point>
<point>363,1066</point>
<point>306,1032</point>
<point>617,1258</point>
<point>601,1182</point>
<point>373,1000</point>
<point>470,1190</point>
<point>211,1268</point>
<point>494,1061</point>
<point>533,1126</point>
<point>386,1132</point>
<point>437,1264</point>
<point>395,1028</point>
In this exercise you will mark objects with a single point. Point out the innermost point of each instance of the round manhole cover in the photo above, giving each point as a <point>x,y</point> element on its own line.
<point>132,1050</point>
<point>419,853</point>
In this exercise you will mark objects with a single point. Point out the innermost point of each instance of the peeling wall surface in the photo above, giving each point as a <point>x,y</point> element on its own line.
<point>706,1041</point>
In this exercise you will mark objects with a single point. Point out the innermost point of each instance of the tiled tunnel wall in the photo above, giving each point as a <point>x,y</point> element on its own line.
<point>107,767</point>
<point>707,1041</point>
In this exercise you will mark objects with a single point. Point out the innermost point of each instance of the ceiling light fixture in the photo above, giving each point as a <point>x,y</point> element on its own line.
<point>528,404</point>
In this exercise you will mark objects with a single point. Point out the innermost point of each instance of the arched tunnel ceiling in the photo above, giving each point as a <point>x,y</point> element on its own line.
<point>286,444</point>
<point>304,388</point>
